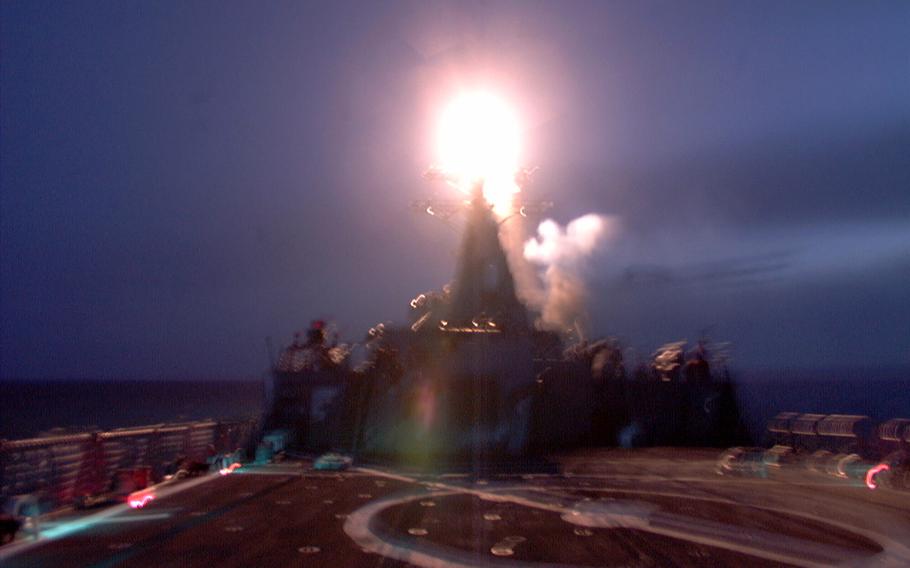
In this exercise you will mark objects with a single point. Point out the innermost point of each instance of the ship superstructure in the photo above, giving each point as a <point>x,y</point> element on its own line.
<point>472,378</point>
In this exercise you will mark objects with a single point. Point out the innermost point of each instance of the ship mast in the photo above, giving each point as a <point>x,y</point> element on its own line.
<point>483,291</point>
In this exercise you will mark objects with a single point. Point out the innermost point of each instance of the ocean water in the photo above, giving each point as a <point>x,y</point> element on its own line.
<point>28,408</point>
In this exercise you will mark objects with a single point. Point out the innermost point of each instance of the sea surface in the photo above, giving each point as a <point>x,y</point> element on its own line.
<point>30,408</point>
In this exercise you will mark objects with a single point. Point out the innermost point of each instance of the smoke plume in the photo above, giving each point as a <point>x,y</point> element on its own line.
<point>514,234</point>
<point>563,256</point>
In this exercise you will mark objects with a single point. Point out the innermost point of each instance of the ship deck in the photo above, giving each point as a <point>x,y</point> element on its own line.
<point>599,508</point>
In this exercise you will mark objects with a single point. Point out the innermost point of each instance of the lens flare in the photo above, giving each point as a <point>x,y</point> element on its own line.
<point>479,139</point>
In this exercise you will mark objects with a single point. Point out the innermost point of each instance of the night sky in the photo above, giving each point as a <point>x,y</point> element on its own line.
<point>181,180</point>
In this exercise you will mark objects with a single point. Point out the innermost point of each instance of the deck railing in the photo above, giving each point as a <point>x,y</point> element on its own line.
<point>62,469</point>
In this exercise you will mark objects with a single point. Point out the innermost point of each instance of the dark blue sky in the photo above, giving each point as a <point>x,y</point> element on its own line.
<point>182,179</point>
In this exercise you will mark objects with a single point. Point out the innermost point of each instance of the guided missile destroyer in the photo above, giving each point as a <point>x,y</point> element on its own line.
<point>472,377</point>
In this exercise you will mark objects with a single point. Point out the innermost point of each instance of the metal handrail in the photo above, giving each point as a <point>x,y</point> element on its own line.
<point>65,468</point>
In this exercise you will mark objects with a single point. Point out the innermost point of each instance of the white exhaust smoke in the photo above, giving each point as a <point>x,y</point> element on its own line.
<point>563,255</point>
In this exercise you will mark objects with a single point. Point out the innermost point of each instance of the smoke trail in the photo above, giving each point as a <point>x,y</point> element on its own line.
<point>528,287</point>
<point>563,255</point>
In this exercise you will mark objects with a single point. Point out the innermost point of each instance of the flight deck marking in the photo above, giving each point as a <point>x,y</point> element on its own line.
<point>417,531</point>
<point>583,532</point>
<point>751,542</point>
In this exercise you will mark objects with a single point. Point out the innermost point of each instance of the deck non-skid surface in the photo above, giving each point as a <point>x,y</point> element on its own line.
<point>602,509</point>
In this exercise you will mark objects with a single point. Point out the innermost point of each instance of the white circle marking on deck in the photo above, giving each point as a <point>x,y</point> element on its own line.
<point>615,515</point>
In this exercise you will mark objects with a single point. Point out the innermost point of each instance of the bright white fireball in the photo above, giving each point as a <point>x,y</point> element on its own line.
<point>479,139</point>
